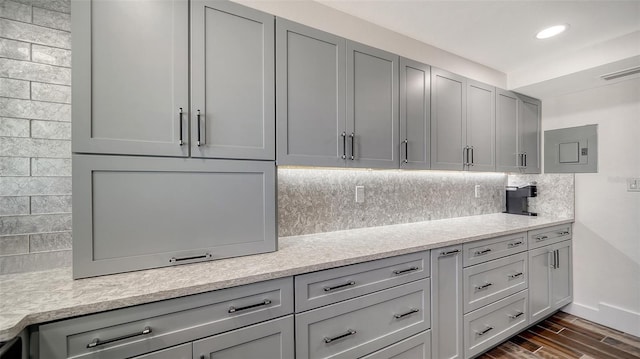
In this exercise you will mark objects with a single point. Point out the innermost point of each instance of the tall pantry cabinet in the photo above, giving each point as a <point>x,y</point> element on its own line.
<point>141,197</point>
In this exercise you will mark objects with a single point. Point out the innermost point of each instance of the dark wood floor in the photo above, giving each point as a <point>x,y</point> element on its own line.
<point>565,336</point>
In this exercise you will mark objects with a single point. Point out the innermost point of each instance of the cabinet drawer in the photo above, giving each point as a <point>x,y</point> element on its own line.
<point>137,330</point>
<point>363,325</point>
<point>494,323</point>
<point>415,347</point>
<point>487,282</point>
<point>493,248</point>
<point>549,235</point>
<point>179,352</point>
<point>333,285</point>
<point>268,340</point>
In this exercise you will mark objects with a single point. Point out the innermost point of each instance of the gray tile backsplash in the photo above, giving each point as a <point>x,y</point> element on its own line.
<point>555,192</point>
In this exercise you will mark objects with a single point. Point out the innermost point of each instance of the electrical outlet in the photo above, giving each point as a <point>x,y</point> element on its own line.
<point>477,191</point>
<point>359,194</point>
<point>633,185</point>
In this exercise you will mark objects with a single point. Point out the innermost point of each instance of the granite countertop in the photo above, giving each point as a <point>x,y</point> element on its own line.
<point>38,297</point>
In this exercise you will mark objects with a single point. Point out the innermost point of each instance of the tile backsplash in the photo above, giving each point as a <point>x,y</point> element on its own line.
<point>323,200</point>
<point>555,193</point>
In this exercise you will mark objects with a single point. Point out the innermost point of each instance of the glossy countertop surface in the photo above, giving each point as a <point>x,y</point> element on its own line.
<point>38,297</point>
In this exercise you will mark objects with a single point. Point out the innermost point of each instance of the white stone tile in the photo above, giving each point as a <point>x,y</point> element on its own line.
<point>51,55</point>
<point>35,110</point>
<point>44,242</point>
<point>50,204</point>
<point>14,166</point>
<point>33,262</point>
<point>29,186</point>
<point>30,71</point>
<point>34,147</point>
<point>35,34</point>
<point>14,245</point>
<point>14,49</point>
<point>49,92</point>
<point>10,206</point>
<point>14,127</point>
<point>15,11</point>
<point>51,167</point>
<point>14,88</point>
<point>13,225</point>
<point>51,130</point>
<point>52,19</point>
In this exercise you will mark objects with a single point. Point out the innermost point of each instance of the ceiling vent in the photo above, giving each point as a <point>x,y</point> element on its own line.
<point>622,73</point>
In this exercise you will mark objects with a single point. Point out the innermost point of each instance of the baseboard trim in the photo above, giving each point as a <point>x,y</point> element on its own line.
<point>609,315</point>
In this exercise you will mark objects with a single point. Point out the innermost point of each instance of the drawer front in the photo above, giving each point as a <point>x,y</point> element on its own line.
<point>487,282</point>
<point>316,289</point>
<point>494,323</point>
<point>482,251</point>
<point>415,347</point>
<point>363,325</point>
<point>141,329</point>
<point>549,235</point>
<point>180,352</point>
<point>268,340</point>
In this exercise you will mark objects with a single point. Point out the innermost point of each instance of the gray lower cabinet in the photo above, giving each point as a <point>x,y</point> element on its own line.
<point>268,340</point>
<point>134,213</point>
<point>550,279</point>
<point>415,114</point>
<point>415,347</point>
<point>183,351</point>
<point>311,98</point>
<point>447,298</point>
<point>372,107</point>
<point>359,326</point>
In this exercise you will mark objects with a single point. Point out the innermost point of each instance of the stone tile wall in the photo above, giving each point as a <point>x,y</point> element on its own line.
<point>35,135</point>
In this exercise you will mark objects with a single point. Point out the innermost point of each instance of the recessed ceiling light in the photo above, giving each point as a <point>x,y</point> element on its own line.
<point>552,31</point>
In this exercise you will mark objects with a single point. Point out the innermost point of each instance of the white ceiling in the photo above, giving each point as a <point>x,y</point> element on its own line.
<point>501,34</point>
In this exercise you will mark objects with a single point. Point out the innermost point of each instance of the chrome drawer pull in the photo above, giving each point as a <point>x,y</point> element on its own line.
<point>348,284</point>
<point>403,271</point>
<point>204,256</point>
<point>514,276</point>
<point>344,145</point>
<point>180,142</point>
<point>349,332</point>
<point>97,342</point>
<point>484,286</point>
<point>563,233</point>
<point>412,311</point>
<point>483,252</point>
<point>449,253</point>
<point>517,315</point>
<point>487,330</point>
<point>234,309</point>
<point>353,146</point>
<point>541,238</point>
<point>198,142</point>
<point>515,244</point>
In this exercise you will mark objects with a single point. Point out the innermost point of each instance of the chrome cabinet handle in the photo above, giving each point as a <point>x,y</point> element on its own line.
<point>198,143</point>
<point>557,262</point>
<point>514,276</point>
<point>233,309</point>
<point>517,315</point>
<point>344,145</point>
<point>541,238</point>
<point>449,253</point>
<point>465,156</point>
<point>341,286</point>
<point>485,331</point>
<point>353,146</point>
<point>180,259</point>
<point>483,252</point>
<point>524,156</point>
<point>180,142</point>
<point>515,244</point>
<point>97,342</point>
<point>563,233</point>
<point>484,286</point>
<point>406,150</point>
<point>553,259</point>
<point>520,159</point>
<point>403,271</point>
<point>412,311</point>
<point>471,163</point>
<point>349,332</point>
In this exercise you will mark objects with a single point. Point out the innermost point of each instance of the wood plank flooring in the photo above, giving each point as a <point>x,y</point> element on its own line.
<point>564,336</point>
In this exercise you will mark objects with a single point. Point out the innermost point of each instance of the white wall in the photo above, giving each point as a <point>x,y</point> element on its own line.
<point>324,18</point>
<point>607,217</point>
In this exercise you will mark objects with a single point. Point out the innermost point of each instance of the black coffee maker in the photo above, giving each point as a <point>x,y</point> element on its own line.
<point>518,199</point>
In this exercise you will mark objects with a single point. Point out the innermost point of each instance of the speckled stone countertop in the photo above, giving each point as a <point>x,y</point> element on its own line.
<point>38,297</point>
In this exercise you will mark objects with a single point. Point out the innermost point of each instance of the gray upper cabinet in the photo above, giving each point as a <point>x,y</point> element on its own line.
<point>233,77</point>
<point>448,120</point>
<point>130,82</point>
<point>134,213</point>
<point>518,133</point>
<point>311,67</point>
<point>481,127</point>
<point>415,114</point>
<point>372,107</point>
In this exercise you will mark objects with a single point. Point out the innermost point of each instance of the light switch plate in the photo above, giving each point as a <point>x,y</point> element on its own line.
<point>633,185</point>
<point>359,194</point>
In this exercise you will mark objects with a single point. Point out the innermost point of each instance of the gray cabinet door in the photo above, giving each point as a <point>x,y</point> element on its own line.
<point>529,129</point>
<point>233,81</point>
<point>550,279</point>
<point>268,340</point>
<point>507,136</point>
<point>135,213</point>
<point>448,120</point>
<point>311,97</point>
<point>415,114</point>
<point>481,126</point>
<point>179,352</point>
<point>562,276</point>
<point>130,77</point>
<point>372,107</point>
<point>446,302</point>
